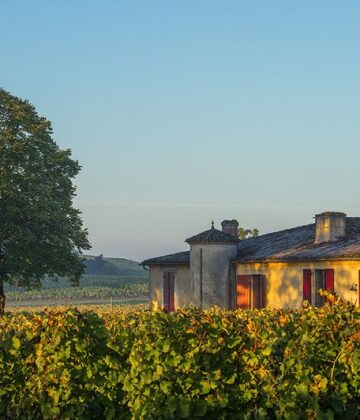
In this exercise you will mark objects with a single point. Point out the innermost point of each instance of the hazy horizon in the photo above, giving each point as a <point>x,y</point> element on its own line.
<point>180,113</point>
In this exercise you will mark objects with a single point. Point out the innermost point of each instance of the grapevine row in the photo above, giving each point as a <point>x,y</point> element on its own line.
<point>190,364</point>
<point>125,291</point>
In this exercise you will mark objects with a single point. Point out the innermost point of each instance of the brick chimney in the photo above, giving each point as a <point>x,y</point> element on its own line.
<point>230,226</point>
<point>330,226</point>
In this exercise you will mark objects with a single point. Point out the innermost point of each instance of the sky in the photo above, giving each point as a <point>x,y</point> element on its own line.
<point>181,112</point>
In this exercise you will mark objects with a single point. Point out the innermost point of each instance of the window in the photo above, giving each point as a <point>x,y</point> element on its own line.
<point>319,283</point>
<point>250,291</point>
<point>313,281</point>
<point>169,291</point>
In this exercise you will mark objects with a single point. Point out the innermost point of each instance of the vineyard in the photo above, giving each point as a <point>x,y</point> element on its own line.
<point>87,281</point>
<point>130,282</point>
<point>77,293</point>
<point>129,363</point>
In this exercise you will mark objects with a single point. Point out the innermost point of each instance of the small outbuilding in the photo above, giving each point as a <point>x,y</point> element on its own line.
<point>276,270</point>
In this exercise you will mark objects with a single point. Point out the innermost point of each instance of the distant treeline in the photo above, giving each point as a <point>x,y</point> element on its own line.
<point>112,266</point>
<point>99,272</point>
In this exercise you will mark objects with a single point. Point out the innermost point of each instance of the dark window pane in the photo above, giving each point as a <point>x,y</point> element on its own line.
<point>258,288</point>
<point>320,276</point>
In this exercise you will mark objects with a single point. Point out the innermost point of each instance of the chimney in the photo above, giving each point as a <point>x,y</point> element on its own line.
<point>230,226</point>
<point>330,226</point>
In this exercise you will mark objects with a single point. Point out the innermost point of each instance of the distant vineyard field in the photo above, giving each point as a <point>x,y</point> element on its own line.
<point>136,290</point>
<point>132,284</point>
<point>88,280</point>
<point>99,280</point>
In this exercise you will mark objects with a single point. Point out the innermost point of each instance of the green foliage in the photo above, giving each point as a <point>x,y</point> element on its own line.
<point>64,366</point>
<point>127,267</point>
<point>113,266</point>
<point>99,265</point>
<point>189,364</point>
<point>40,230</point>
<point>247,233</point>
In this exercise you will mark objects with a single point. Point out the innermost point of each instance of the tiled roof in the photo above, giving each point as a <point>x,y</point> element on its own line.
<point>171,259</point>
<point>297,244</point>
<point>212,236</point>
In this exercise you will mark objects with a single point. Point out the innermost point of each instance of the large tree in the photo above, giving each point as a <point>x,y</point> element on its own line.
<point>41,233</point>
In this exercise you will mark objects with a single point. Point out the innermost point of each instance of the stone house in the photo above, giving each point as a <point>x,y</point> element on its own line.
<point>275,270</point>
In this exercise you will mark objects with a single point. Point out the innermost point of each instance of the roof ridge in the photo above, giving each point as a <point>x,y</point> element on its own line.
<point>296,227</point>
<point>174,258</point>
<point>212,235</point>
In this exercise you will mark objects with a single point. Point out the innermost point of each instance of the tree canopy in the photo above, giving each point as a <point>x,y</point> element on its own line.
<point>99,265</point>
<point>247,233</point>
<point>40,230</point>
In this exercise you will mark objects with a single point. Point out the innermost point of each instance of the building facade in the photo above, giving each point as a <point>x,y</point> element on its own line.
<point>276,270</point>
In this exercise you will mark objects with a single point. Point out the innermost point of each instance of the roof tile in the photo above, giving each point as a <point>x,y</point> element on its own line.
<point>212,236</point>
<point>171,259</point>
<point>298,244</point>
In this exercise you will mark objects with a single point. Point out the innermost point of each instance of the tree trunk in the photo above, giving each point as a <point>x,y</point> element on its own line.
<point>2,297</point>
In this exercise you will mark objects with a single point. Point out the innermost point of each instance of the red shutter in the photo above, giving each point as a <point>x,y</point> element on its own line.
<point>329,280</point>
<point>243,292</point>
<point>258,291</point>
<point>263,291</point>
<point>307,285</point>
<point>168,291</point>
<point>171,291</point>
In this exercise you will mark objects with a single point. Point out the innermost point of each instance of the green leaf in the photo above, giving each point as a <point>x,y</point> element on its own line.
<point>205,387</point>
<point>184,409</point>
<point>267,351</point>
<point>16,343</point>
<point>165,387</point>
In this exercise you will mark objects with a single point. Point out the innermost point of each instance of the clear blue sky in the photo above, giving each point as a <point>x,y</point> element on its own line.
<point>184,111</point>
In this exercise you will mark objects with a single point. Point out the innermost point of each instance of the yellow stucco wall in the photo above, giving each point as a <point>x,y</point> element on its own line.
<point>183,291</point>
<point>284,281</point>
